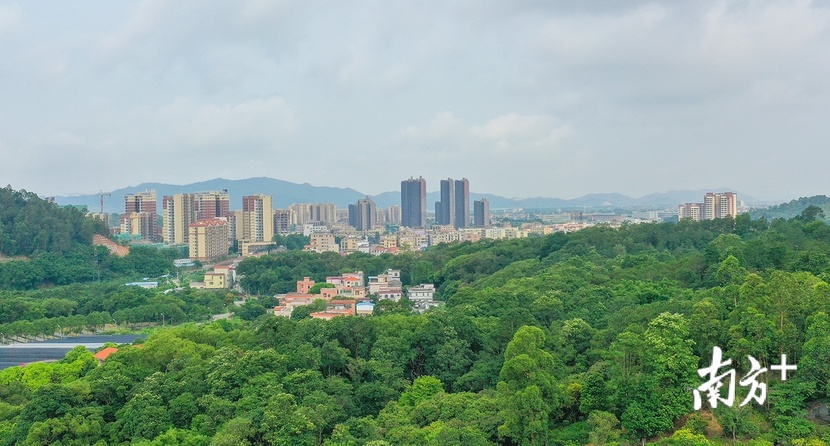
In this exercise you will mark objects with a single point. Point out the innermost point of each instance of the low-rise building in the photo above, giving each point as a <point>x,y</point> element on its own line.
<point>290,301</point>
<point>183,263</point>
<point>422,297</point>
<point>303,286</point>
<point>216,281</point>
<point>422,292</point>
<point>143,284</point>
<point>365,308</point>
<point>394,294</point>
<point>349,245</point>
<point>390,279</point>
<point>321,242</point>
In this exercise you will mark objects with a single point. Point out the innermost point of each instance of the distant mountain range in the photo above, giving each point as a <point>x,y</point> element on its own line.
<point>285,193</point>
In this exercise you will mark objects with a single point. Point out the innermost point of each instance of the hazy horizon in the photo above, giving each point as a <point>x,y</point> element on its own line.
<point>525,99</point>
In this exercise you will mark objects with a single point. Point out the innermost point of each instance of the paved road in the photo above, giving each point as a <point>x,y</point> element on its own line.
<point>54,349</point>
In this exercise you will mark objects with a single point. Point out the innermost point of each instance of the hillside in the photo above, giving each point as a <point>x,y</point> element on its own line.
<point>29,224</point>
<point>793,208</point>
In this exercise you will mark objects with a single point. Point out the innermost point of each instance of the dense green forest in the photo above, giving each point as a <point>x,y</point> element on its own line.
<point>29,224</point>
<point>44,245</point>
<point>589,337</point>
<point>794,208</point>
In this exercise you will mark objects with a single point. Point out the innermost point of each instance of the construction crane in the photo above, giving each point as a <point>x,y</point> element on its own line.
<point>102,194</point>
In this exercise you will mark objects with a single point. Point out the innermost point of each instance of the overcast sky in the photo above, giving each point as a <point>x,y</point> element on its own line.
<point>533,98</point>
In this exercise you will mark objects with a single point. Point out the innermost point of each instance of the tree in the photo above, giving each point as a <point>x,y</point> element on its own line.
<point>811,213</point>
<point>603,426</point>
<point>423,388</point>
<point>303,312</point>
<point>527,391</point>
<point>730,271</point>
<point>814,365</point>
<point>144,416</point>
<point>659,394</point>
<point>315,289</point>
<point>251,310</point>
<point>684,437</point>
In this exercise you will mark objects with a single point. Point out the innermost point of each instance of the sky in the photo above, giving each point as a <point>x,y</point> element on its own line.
<point>524,98</point>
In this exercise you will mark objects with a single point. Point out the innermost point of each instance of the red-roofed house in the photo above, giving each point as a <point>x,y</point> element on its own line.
<point>105,353</point>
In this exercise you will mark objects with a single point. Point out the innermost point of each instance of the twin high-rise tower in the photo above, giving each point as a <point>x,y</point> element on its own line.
<point>452,210</point>
<point>454,207</point>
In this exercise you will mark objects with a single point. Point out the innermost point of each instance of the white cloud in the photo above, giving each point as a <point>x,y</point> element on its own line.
<point>258,122</point>
<point>10,18</point>
<point>515,134</point>
<point>591,40</point>
<point>507,135</point>
<point>758,34</point>
<point>613,91</point>
<point>258,11</point>
<point>443,126</point>
<point>145,20</point>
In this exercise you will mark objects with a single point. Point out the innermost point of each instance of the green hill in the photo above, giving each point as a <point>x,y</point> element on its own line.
<point>29,224</point>
<point>793,208</point>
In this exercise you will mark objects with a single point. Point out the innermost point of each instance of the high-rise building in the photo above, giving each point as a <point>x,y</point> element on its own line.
<point>236,225</point>
<point>140,225</point>
<point>363,215</point>
<point>693,211</point>
<point>257,218</point>
<point>140,202</point>
<point>481,213</point>
<point>178,214</point>
<point>324,213</point>
<point>715,205</point>
<point>454,207</point>
<point>282,221</point>
<point>394,215</point>
<point>445,209</point>
<point>212,204</point>
<point>462,203</point>
<point>140,217</point>
<point>180,210</point>
<point>719,205</point>
<point>303,213</point>
<point>414,203</point>
<point>709,205</point>
<point>208,239</point>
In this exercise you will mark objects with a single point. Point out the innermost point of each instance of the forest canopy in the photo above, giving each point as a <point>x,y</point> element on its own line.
<point>588,337</point>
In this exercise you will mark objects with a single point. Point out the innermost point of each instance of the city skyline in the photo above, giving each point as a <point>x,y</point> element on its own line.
<point>632,97</point>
